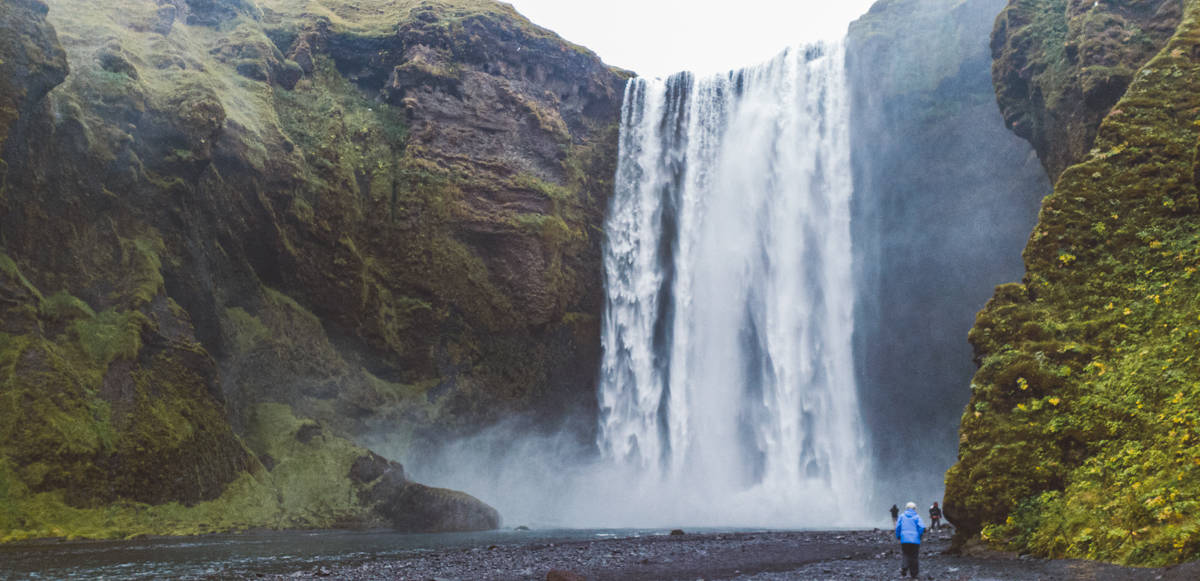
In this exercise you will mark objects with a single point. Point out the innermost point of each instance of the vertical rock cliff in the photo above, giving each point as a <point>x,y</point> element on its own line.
<point>240,235</point>
<point>1081,436</point>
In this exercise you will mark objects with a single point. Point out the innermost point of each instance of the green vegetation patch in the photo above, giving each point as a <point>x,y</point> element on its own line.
<point>306,485</point>
<point>378,18</point>
<point>110,334</point>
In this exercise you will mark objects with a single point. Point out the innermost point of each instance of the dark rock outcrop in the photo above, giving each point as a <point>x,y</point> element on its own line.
<point>1060,66</point>
<point>412,507</point>
<point>31,63</point>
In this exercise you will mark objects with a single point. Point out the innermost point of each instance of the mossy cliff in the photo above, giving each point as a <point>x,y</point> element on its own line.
<point>1081,438</point>
<point>930,148</point>
<point>1061,65</point>
<point>240,236</point>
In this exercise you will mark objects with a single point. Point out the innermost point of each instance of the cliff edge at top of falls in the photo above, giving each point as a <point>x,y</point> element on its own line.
<point>241,235</point>
<point>1083,431</point>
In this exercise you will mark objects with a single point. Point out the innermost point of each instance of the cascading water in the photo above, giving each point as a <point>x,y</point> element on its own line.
<point>727,389</point>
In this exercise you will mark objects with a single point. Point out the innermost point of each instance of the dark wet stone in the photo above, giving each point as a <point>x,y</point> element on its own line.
<point>307,432</point>
<point>370,467</point>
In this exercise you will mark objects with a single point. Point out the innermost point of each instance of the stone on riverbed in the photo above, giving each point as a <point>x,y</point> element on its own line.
<point>412,507</point>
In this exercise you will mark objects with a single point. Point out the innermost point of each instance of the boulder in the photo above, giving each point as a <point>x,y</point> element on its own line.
<point>412,507</point>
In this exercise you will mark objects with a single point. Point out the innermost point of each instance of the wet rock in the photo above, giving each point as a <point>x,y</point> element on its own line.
<point>412,507</point>
<point>113,61</point>
<point>561,575</point>
<point>372,466</point>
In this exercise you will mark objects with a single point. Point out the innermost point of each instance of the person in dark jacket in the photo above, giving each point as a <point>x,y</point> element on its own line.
<point>910,529</point>
<point>895,514</point>
<point>935,517</point>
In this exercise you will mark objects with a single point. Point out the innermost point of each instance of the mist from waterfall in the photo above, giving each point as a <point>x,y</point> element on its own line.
<point>739,271</point>
<point>727,391</point>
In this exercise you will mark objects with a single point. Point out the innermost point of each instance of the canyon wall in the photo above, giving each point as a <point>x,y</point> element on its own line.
<point>241,238</point>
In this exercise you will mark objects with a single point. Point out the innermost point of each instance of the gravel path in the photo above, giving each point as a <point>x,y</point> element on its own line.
<point>769,556</point>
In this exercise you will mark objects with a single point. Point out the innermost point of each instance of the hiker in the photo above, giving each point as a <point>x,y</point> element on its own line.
<point>895,514</point>
<point>909,530</point>
<point>935,517</point>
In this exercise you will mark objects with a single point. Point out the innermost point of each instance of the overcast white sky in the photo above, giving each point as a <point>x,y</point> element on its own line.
<point>660,37</point>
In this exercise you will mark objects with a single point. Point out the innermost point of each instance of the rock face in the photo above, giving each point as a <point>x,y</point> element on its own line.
<point>33,62</point>
<point>1061,65</point>
<point>240,235</point>
<point>930,149</point>
<point>1081,436</point>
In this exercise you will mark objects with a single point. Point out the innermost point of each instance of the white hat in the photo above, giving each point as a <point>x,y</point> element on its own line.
<point>911,505</point>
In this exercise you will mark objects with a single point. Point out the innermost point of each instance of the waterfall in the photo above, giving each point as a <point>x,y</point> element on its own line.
<point>727,391</point>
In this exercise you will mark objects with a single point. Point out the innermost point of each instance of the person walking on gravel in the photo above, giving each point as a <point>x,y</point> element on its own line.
<point>935,517</point>
<point>895,514</point>
<point>910,529</point>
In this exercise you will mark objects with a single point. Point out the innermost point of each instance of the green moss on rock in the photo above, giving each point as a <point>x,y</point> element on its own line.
<point>1060,65</point>
<point>1081,437</point>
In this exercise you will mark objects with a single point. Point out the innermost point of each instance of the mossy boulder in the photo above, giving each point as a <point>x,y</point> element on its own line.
<point>1080,438</point>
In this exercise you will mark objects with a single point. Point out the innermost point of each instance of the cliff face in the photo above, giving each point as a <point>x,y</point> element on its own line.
<point>1061,65</point>
<point>241,235</point>
<point>931,149</point>
<point>1081,438</point>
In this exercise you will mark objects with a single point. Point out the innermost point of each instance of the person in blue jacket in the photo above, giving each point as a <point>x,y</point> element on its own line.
<point>910,529</point>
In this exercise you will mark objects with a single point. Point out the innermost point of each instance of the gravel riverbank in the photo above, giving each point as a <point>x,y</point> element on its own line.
<point>766,556</point>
